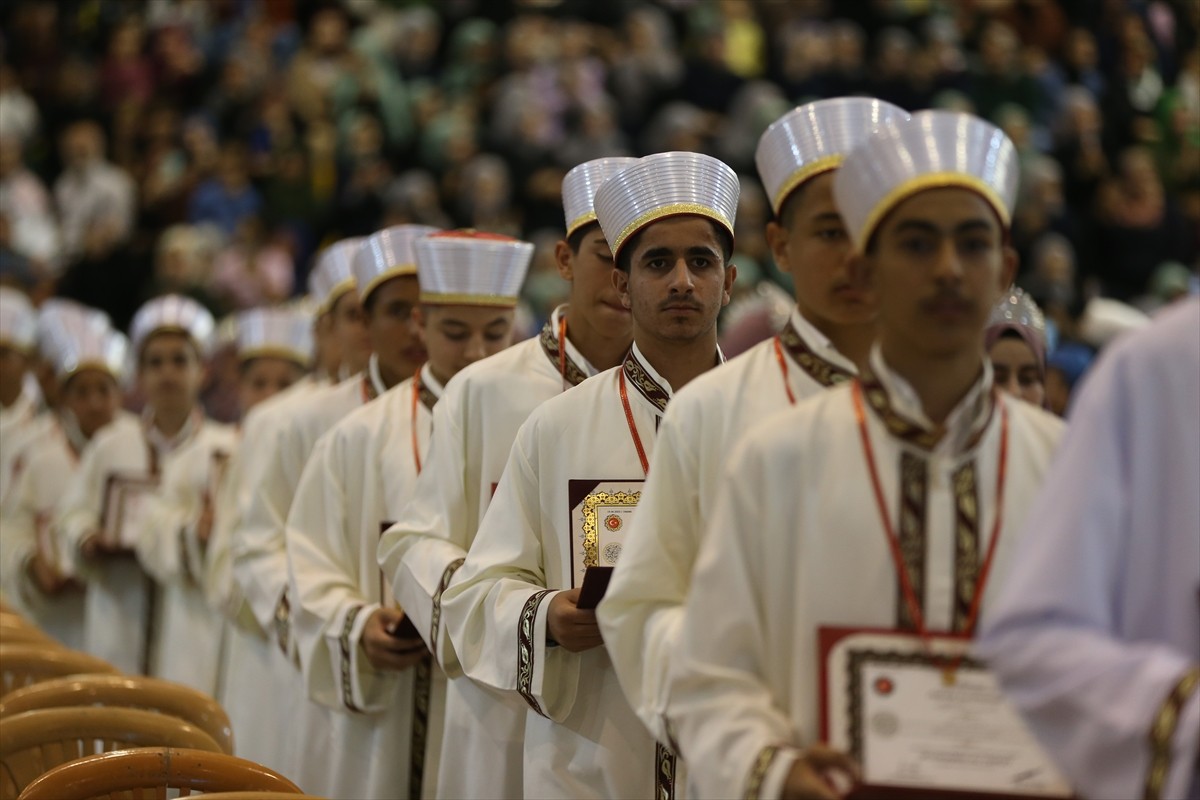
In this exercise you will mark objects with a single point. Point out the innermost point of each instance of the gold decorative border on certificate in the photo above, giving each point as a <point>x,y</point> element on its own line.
<point>1162,733</point>
<point>591,520</point>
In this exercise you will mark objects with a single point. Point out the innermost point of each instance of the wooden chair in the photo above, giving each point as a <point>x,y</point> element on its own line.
<point>22,633</point>
<point>155,771</point>
<point>259,796</point>
<point>25,664</point>
<point>34,742</point>
<point>125,691</point>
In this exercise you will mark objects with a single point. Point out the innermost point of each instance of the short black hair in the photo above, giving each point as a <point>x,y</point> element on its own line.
<point>575,240</point>
<point>724,238</point>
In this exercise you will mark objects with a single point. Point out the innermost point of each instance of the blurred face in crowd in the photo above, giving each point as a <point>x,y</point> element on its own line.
<point>674,278</point>
<point>389,322</point>
<point>938,264</point>
<point>328,34</point>
<point>260,378</point>
<point>813,247</point>
<point>82,145</point>
<point>348,329</point>
<point>13,364</point>
<point>1016,368</point>
<point>170,372</point>
<point>457,336</point>
<point>92,397</point>
<point>594,299</point>
<point>10,155</point>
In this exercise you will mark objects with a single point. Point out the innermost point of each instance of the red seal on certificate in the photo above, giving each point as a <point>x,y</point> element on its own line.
<point>613,522</point>
<point>884,686</point>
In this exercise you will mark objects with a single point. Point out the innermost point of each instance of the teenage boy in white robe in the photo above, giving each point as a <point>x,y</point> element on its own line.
<point>1096,636</point>
<point>170,337</point>
<point>385,300</point>
<point>475,424</point>
<point>21,417</point>
<point>828,334</point>
<point>511,611</point>
<point>877,504</point>
<point>357,659</point>
<point>88,361</point>
<point>174,544</point>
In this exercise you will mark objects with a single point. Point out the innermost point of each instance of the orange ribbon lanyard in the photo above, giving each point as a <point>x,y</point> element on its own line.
<point>416,398</point>
<point>783,367</point>
<point>633,431</point>
<point>367,389</point>
<point>562,348</point>
<point>906,588</point>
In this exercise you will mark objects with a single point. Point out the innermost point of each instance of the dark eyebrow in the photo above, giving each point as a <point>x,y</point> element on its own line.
<point>973,225</point>
<point>924,226</point>
<point>827,216</point>
<point>656,252</point>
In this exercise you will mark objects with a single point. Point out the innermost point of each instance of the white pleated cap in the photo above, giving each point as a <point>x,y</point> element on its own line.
<point>332,275</point>
<point>275,332</point>
<point>471,268</point>
<point>53,311</point>
<point>815,138</point>
<point>18,320</point>
<point>387,254</point>
<point>76,338</point>
<point>933,149</point>
<point>580,185</point>
<point>174,313</point>
<point>666,185</point>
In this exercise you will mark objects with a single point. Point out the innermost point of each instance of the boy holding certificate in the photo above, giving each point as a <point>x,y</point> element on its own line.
<point>515,611</point>
<point>852,541</point>
<point>99,517</point>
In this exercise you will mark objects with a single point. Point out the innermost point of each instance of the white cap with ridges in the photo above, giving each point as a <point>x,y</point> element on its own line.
<point>276,332</point>
<point>933,149</point>
<point>815,138</point>
<point>77,338</point>
<point>332,275</point>
<point>174,313</point>
<point>666,185</point>
<point>580,185</point>
<point>467,267</point>
<point>18,320</point>
<point>387,254</point>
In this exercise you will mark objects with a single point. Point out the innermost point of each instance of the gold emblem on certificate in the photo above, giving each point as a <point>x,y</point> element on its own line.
<point>126,500</point>
<point>886,701</point>
<point>600,515</point>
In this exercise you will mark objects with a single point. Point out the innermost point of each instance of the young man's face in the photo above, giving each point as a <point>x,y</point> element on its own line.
<point>811,245</point>
<point>263,377</point>
<point>938,264</point>
<point>677,281</point>
<point>170,372</point>
<point>348,331</point>
<point>13,364</point>
<point>456,336</point>
<point>593,294</point>
<point>390,326</point>
<point>93,398</point>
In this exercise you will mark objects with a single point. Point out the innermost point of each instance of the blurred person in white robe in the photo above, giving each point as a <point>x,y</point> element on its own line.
<point>1096,636</point>
<point>885,503</point>
<point>474,426</point>
<point>358,655</point>
<point>260,554</point>
<point>121,470</point>
<point>89,362</point>
<point>174,545</point>
<point>21,417</point>
<point>573,479</point>
<point>828,333</point>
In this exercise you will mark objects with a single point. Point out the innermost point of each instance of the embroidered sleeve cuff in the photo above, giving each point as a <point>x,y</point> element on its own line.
<point>364,689</point>
<point>769,772</point>
<point>1174,738</point>
<point>547,677</point>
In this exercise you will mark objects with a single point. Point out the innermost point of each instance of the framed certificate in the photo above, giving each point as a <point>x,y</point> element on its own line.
<point>921,730</point>
<point>124,508</point>
<point>600,516</point>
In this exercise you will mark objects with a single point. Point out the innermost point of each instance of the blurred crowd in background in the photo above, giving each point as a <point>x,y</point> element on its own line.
<point>211,147</point>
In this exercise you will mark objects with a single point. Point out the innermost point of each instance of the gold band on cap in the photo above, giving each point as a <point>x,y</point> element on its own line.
<point>335,294</point>
<point>931,180</point>
<point>804,173</point>
<point>580,221</point>
<point>466,299</point>
<point>670,210</point>
<point>397,271</point>
<point>273,351</point>
<point>89,364</point>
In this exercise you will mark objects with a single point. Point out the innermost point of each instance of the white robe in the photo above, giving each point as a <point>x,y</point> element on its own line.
<point>171,552</point>
<point>21,423</point>
<point>122,610</point>
<point>642,610</point>
<point>582,738</point>
<point>1098,626</point>
<point>796,542</point>
<point>386,731</point>
<point>474,426</point>
<point>25,515</point>
<point>261,571</point>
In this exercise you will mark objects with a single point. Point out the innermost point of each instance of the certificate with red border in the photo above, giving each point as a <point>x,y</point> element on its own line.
<point>124,507</point>
<point>921,729</point>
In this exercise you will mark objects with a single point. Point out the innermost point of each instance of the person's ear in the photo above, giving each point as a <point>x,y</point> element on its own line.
<point>564,260</point>
<point>777,239</point>
<point>620,279</point>
<point>727,289</point>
